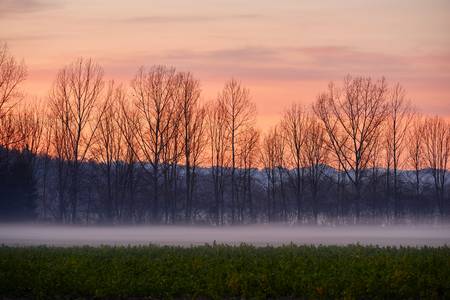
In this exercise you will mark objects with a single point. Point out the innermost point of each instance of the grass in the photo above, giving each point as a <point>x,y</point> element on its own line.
<point>219,271</point>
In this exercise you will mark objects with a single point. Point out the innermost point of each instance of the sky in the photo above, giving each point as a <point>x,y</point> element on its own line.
<point>283,51</point>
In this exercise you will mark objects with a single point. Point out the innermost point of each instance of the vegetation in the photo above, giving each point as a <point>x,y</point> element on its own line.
<point>219,271</point>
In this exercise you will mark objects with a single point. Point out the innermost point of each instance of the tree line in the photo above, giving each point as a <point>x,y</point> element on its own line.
<point>152,151</point>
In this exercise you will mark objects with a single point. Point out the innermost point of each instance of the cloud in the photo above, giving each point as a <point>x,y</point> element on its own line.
<point>294,64</point>
<point>322,57</point>
<point>27,37</point>
<point>15,7</point>
<point>291,63</point>
<point>188,18</point>
<point>242,55</point>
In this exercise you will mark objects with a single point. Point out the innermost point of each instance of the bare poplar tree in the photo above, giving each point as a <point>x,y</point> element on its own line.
<point>171,157</point>
<point>60,147</point>
<point>46,153</point>
<point>73,99</point>
<point>316,154</point>
<point>415,153</point>
<point>398,120</point>
<point>240,113</point>
<point>248,156</point>
<point>351,117</point>
<point>154,92</point>
<point>218,137</point>
<point>269,163</point>
<point>109,147</point>
<point>294,130</point>
<point>376,174</point>
<point>193,129</point>
<point>436,135</point>
<point>279,143</point>
<point>127,118</point>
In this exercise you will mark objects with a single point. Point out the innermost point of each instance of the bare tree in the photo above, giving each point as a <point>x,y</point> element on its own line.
<point>154,92</point>
<point>240,113</point>
<point>416,152</point>
<point>248,161</point>
<point>218,141</point>
<point>12,74</point>
<point>59,143</point>
<point>73,99</point>
<point>351,117</point>
<point>193,129</point>
<point>127,118</point>
<point>269,163</point>
<point>376,174</point>
<point>46,153</point>
<point>30,126</point>
<point>436,134</point>
<point>109,147</point>
<point>10,136</point>
<point>171,157</point>
<point>398,120</point>
<point>294,130</point>
<point>316,158</point>
<point>279,143</point>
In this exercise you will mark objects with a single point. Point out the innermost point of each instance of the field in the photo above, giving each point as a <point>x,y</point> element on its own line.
<point>221,271</point>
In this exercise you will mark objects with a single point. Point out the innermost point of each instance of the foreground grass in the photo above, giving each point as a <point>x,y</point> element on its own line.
<point>225,272</point>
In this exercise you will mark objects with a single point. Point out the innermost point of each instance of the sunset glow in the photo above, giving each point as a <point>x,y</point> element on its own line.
<point>283,52</point>
<point>224,149</point>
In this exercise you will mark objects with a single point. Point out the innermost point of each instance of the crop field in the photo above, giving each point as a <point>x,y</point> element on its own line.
<point>220,271</point>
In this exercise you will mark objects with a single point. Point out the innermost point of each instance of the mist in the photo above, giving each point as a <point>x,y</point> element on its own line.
<point>258,235</point>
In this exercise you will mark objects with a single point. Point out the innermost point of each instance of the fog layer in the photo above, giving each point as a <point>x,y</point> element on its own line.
<point>261,235</point>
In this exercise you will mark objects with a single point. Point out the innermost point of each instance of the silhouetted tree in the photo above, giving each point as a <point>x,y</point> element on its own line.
<point>351,117</point>
<point>108,149</point>
<point>398,120</point>
<point>416,154</point>
<point>154,92</point>
<point>218,137</point>
<point>239,114</point>
<point>436,134</point>
<point>248,162</point>
<point>192,131</point>
<point>294,130</point>
<point>316,159</point>
<point>74,100</point>
<point>269,162</point>
<point>12,74</point>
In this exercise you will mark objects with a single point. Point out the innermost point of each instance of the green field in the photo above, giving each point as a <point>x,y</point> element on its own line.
<point>225,272</point>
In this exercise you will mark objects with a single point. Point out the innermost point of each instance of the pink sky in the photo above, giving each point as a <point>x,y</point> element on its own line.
<point>284,51</point>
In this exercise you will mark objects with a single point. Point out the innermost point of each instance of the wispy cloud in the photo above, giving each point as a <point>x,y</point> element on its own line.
<point>243,54</point>
<point>27,37</point>
<point>15,7</point>
<point>301,63</point>
<point>188,18</point>
<point>287,63</point>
